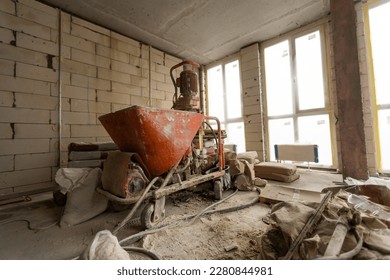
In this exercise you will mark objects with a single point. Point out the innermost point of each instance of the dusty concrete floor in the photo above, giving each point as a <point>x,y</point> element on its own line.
<point>218,236</point>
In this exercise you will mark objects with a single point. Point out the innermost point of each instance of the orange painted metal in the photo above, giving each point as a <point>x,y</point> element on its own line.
<point>160,137</point>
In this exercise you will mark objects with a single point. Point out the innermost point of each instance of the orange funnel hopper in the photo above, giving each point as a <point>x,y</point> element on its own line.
<point>160,137</point>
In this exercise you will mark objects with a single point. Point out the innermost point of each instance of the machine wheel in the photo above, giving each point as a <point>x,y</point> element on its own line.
<point>147,217</point>
<point>218,188</point>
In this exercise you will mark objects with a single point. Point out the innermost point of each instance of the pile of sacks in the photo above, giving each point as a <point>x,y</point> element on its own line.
<point>247,172</point>
<point>242,172</point>
<point>283,172</point>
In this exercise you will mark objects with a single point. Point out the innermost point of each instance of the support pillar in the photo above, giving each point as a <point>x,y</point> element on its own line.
<point>349,96</point>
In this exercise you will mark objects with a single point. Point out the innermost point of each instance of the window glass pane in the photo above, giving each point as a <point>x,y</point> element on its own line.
<point>384,137</point>
<point>380,43</point>
<point>309,71</point>
<point>281,131</point>
<point>215,92</point>
<point>316,130</point>
<point>233,90</point>
<point>214,126</point>
<point>278,79</point>
<point>236,135</point>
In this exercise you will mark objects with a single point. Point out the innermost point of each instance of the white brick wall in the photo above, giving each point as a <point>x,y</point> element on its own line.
<point>251,91</point>
<point>36,44</point>
<point>24,162</point>
<point>24,177</point>
<point>366,90</point>
<point>6,163</point>
<point>102,72</point>
<point>23,146</point>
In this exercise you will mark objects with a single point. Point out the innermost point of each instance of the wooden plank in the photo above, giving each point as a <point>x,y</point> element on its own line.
<point>85,163</point>
<point>87,155</point>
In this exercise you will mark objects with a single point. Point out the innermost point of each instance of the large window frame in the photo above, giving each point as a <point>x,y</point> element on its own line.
<point>377,107</point>
<point>296,112</point>
<point>226,120</point>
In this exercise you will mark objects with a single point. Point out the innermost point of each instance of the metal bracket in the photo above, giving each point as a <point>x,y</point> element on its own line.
<point>159,209</point>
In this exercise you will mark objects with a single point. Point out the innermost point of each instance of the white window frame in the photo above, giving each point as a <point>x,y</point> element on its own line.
<point>291,36</point>
<point>376,108</point>
<point>223,62</point>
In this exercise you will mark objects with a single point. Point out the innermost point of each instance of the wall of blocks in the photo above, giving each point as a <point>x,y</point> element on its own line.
<point>46,53</point>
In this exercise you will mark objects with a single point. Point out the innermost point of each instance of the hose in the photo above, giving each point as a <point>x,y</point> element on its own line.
<point>29,224</point>
<point>379,248</point>
<point>130,215</point>
<point>150,254</point>
<point>135,237</point>
<point>186,165</point>
<point>211,206</point>
<point>141,171</point>
<point>350,254</point>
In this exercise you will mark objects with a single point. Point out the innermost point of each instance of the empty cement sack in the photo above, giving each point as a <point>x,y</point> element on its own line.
<point>250,157</point>
<point>105,246</point>
<point>83,202</point>
<point>286,220</point>
<point>71,178</point>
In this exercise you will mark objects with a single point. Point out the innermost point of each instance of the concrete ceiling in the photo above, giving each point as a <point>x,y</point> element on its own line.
<point>200,30</point>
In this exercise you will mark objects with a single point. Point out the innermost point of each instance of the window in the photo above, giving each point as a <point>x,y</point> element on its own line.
<point>296,97</point>
<point>224,100</point>
<point>379,21</point>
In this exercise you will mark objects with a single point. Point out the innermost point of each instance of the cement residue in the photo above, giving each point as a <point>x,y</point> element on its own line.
<point>220,236</point>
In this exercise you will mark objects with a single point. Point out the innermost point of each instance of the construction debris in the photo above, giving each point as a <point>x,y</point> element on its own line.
<point>283,172</point>
<point>275,193</point>
<point>353,225</point>
<point>241,167</point>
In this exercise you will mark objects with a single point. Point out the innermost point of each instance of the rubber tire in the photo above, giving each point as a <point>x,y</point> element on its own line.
<point>218,188</point>
<point>146,217</point>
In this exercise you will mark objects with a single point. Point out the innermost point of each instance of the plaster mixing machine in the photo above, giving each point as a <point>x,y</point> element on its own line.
<point>161,152</point>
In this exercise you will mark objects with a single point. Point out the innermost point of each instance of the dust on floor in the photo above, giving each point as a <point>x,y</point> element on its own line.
<point>217,236</point>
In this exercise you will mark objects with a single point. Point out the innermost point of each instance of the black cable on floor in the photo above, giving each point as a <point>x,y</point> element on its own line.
<point>150,254</point>
<point>29,224</point>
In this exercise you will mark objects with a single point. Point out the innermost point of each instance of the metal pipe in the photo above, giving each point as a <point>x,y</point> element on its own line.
<point>201,88</point>
<point>187,184</point>
<point>215,138</point>
<point>221,154</point>
<point>59,85</point>
<point>150,76</point>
